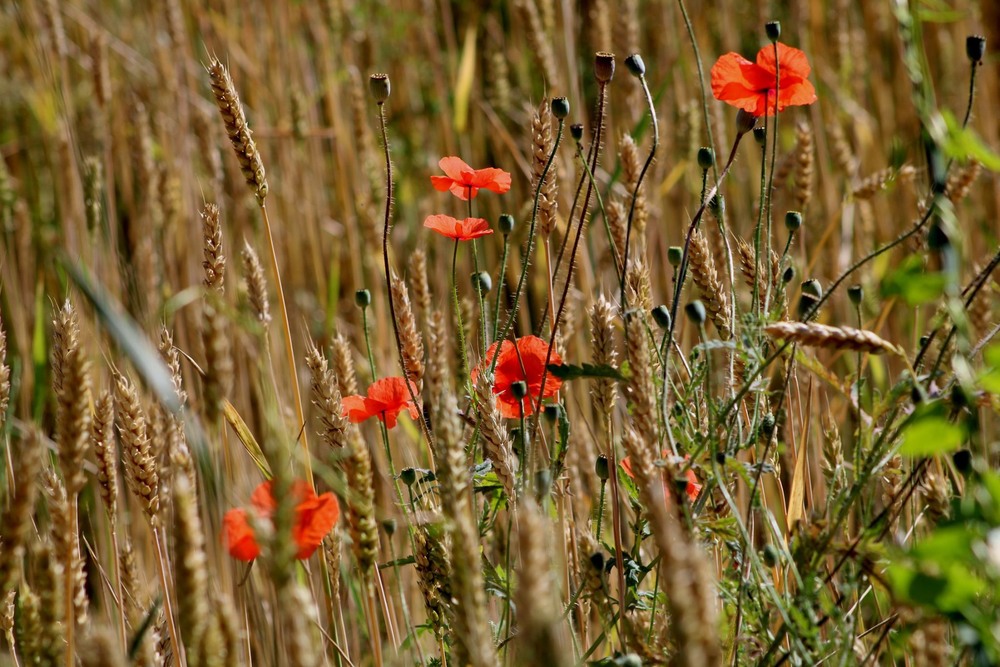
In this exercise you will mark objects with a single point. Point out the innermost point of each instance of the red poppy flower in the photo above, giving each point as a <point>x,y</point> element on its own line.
<point>750,86</point>
<point>531,352</point>
<point>460,230</point>
<point>465,182</point>
<point>692,490</point>
<point>386,399</point>
<point>315,517</point>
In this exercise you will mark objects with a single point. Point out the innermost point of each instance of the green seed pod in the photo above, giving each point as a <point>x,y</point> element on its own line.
<point>696,312</point>
<point>363,298</point>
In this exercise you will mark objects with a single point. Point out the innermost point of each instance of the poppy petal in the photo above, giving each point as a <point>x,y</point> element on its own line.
<point>239,537</point>
<point>454,168</point>
<point>315,518</point>
<point>262,499</point>
<point>442,183</point>
<point>354,408</point>
<point>626,464</point>
<point>462,191</point>
<point>793,62</point>
<point>493,179</point>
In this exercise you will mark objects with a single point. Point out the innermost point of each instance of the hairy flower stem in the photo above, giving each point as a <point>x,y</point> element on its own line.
<point>770,177</point>
<point>679,284</point>
<point>289,348</point>
<point>501,334</point>
<point>500,282</point>
<point>424,426</point>
<point>602,100</point>
<point>483,333</point>
<point>635,193</point>
<point>460,327</point>
<point>701,81</point>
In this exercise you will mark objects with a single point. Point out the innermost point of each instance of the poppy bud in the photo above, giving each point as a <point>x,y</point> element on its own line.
<point>389,526</point>
<point>551,413</point>
<point>793,220</point>
<point>378,84</point>
<point>745,122</point>
<point>363,298</point>
<point>773,30</point>
<point>706,158</point>
<point>408,475</point>
<point>674,255</point>
<point>807,303</point>
<point>812,287</point>
<point>937,237</point>
<point>560,107</point>
<point>681,484</point>
<point>661,316</point>
<point>506,224</point>
<point>597,561</point>
<point>629,660</point>
<point>696,311</point>
<point>604,66</point>
<point>519,389</point>
<point>963,461</point>
<point>635,65</point>
<point>760,135</point>
<point>975,48</point>
<point>788,274</point>
<point>717,205</point>
<point>601,468</point>
<point>576,131</point>
<point>767,425</point>
<point>720,458</point>
<point>481,281</point>
<point>770,555</point>
<point>855,293</point>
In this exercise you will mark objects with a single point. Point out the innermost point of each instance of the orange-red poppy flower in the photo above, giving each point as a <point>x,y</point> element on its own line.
<point>525,363</point>
<point>465,182</point>
<point>386,399</point>
<point>692,489</point>
<point>750,86</point>
<point>315,517</point>
<point>460,230</point>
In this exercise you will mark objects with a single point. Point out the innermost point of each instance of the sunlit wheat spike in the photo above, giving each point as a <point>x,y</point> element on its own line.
<point>16,523</point>
<point>215,261</point>
<point>703,273</point>
<point>253,272</point>
<point>836,338</point>
<point>236,127</point>
<point>141,471</point>
<point>71,385</point>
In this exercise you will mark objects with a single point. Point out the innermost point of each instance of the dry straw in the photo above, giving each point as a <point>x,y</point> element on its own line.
<point>825,336</point>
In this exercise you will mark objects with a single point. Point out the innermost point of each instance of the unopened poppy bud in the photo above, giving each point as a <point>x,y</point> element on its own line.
<point>551,413</point>
<point>629,660</point>
<point>770,555</point>
<point>807,303</point>
<point>788,275</point>
<point>745,121</point>
<point>720,458</point>
<point>506,224</point>
<point>923,340</point>
<point>760,135</point>
<point>975,48</point>
<point>773,30</point>
<point>855,293</point>
<point>389,526</point>
<point>963,461</point>
<point>696,311</point>
<point>706,158</point>
<point>363,298</point>
<point>560,107</point>
<point>601,468</point>
<point>767,425</point>
<point>793,220</point>
<point>481,281</point>
<point>717,205</point>
<point>604,66</point>
<point>597,561</point>
<point>408,475</point>
<point>813,287</point>
<point>576,131</point>
<point>519,389</point>
<point>661,315</point>
<point>635,65</point>
<point>674,255</point>
<point>378,84</point>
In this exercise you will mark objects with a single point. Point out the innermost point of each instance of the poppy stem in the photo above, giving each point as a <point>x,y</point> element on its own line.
<point>424,426</point>
<point>460,327</point>
<point>770,177</point>
<point>701,81</point>
<point>501,334</point>
<point>500,282</point>
<point>635,192</point>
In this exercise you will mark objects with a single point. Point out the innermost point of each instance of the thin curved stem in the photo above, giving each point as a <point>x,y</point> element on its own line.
<point>701,80</point>
<point>462,352</point>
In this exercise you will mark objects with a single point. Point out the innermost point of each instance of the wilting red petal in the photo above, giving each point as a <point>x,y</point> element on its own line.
<point>240,540</point>
<point>314,519</point>
<point>353,407</point>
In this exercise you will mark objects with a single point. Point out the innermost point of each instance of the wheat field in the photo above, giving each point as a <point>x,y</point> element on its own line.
<point>509,332</point>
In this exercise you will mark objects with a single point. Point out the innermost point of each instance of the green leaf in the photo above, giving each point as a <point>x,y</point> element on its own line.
<point>931,435</point>
<point>571,372</point>
<point>989,380</point>
<point>963,144</point>
<point>913,283</point>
